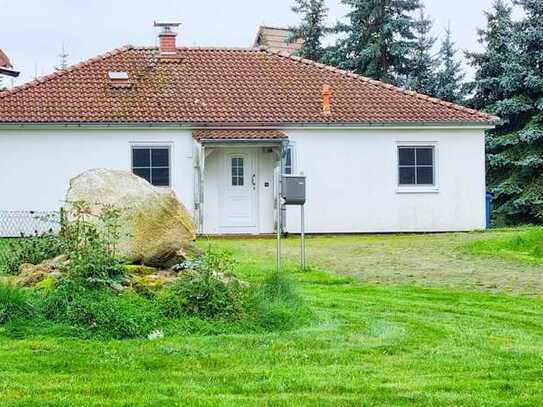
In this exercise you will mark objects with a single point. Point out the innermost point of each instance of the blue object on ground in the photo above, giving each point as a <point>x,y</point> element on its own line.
<point>489,197</point>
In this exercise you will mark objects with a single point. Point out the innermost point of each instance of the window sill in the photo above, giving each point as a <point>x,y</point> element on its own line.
<point>417,190</point>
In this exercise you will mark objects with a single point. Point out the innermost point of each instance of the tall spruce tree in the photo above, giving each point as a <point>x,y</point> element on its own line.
<point>312,28</point>
<point>422,76</point>
<point>449,77</point>
<point>490,65</point>
<point>377,38</point>
<point>515,156</point>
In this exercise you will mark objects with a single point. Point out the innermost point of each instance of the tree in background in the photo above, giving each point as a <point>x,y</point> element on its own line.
<point>449,76</point>
<point>422,77</point>
<point>515,158</point>
<point>377,38</point>
<point>487,88</point>
<point>312,28</point>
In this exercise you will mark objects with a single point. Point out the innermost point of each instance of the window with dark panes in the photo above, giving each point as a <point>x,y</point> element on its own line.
<point>152,164</point>
<point>288,161</point>
<point>237,172</point>
<point>416,165</point>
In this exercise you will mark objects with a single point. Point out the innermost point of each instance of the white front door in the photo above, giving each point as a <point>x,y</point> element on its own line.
<point>239,206</point>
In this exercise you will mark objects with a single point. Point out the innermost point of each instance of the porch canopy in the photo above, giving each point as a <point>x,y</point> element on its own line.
<point>232,136</point>
<point>208,140</point>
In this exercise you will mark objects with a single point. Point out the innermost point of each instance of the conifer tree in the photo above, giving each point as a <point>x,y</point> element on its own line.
<point>450,75</point>
<point>312,28</point>
<point>377,38</point>
<point>422,77</point>
<point>490,65</point>
<point>515,149</point>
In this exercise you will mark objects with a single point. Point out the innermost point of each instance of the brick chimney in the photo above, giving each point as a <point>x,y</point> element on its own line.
<point>326,98</point>
<point>167,44</point>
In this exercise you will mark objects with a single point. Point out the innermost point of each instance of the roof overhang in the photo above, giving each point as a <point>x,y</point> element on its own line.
<point>8,72</point>
<point>250,126</point>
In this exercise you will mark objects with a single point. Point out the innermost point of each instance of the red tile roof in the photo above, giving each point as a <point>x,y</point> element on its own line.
<point>238,134</point>
<point>218,86</point>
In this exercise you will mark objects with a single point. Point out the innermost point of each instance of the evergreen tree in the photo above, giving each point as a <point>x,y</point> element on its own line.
<point>311,29</point>
<point>490,65</point>
<point>449,76</point>
<point>421,77</point>
<point>378,38</point>
<point>515,148</point>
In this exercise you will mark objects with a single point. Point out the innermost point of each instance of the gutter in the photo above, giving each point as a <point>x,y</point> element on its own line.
<point>252,126</point>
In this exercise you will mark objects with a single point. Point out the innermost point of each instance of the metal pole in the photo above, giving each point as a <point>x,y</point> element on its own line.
<point>303,238</point>
<point>279,215</point>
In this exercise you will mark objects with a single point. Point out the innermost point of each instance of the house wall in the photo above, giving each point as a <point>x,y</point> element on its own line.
<point>36,165</point>
<point>352,181</point>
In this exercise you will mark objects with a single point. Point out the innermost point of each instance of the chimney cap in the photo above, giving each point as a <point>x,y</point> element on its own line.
<point>166,26</point>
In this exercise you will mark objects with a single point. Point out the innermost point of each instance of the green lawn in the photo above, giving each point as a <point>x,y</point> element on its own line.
<point>402,320</point>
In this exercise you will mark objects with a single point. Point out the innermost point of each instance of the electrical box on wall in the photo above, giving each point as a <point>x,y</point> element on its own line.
<point>293,189</point>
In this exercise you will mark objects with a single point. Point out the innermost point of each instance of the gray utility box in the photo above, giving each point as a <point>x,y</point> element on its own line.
<point>293,189</point>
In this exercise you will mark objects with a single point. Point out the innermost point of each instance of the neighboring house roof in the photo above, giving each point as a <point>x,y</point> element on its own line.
<point>238,134</point>
<point>4,60</point>
<point>276,39</point>
<point>211,86</point>
<point>5,66</point>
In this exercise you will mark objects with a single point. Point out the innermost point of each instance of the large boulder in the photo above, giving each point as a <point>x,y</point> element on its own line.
<point>156,229</point>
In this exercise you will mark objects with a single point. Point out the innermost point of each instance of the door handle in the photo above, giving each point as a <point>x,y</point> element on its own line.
<point>253,181</point>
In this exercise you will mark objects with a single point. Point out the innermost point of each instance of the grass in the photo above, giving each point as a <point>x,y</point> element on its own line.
<point>402,320</point>
<point>526,247</point>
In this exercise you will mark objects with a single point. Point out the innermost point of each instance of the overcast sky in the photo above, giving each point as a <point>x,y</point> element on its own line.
<point>32,31</point>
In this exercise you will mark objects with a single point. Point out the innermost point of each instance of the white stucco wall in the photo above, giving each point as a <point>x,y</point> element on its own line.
<point>36,165</point>
<point>352,175</point>
<point>352,181</point>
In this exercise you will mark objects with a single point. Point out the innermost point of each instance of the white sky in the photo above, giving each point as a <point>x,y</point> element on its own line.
<point>32,31</point>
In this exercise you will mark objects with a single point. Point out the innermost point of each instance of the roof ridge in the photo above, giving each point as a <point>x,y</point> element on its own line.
<point>45,78</point>
<point>383,84</point>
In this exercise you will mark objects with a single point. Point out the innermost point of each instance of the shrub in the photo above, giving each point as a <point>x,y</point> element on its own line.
<point>277,305</point>
<point>15,303</point>
<point>102,313</point>
<point>91,246</point>
<point>202,293</point>
<point>206,288</point>
<point>34,250</point>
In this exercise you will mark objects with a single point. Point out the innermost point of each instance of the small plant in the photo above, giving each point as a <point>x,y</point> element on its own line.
<point>34,250</point>
<point>15,303</point>
<point>91,246</point>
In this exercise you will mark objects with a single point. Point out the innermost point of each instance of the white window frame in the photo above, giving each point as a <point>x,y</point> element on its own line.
<point>417,189</point>
<point>155,145</point>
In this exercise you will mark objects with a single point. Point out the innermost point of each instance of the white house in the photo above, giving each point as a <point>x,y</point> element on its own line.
<point>216,124</point>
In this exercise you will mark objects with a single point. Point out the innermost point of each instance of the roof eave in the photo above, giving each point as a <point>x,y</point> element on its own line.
<point>490,124</point>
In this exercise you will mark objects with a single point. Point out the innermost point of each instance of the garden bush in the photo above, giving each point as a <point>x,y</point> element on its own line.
<point>34,250</point>
<point>206,288</point>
